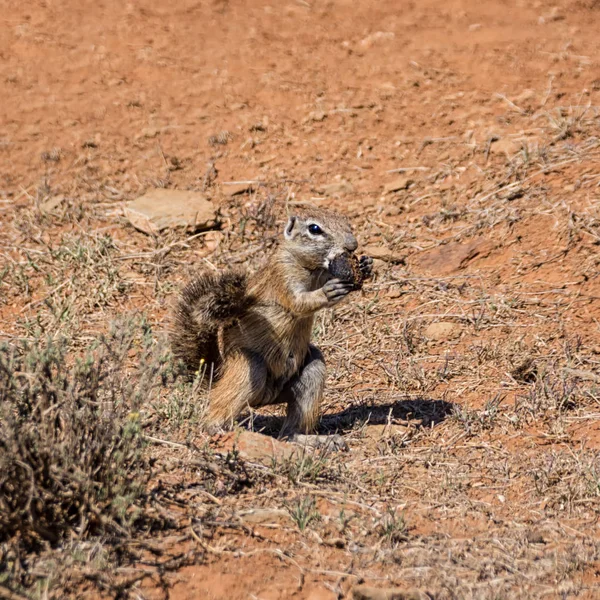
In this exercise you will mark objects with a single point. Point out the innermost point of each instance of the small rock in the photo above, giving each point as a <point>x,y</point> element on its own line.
<point>452,257</point>
<point>52,203</point>
<point>161,209</point>
<point>365,592</point>
<point>474,26</point>
<point>336,189</point>
<point>376,38</point>
<point>387,90</point>
<point>378,264</point>
<point>394,210</point>
<point>385,254</point>
<point>317,115</point>
<point>400,183</point>
<point>394,293</point>
<point>239,188</point>
<point>255,447</point>
<point>211,240</point>
<point>150,132</point>
<point>553,15</point>
<point>442,331</point>
<point>506,146</point>
<point>260,516</point>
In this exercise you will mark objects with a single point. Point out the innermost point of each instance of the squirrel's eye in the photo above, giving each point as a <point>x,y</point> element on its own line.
<point>315,229</point>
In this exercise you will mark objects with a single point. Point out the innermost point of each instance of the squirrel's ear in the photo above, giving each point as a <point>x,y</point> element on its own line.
<point>289,228</point>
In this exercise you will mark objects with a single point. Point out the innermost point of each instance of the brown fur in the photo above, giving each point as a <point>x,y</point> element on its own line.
<point>257,329</point>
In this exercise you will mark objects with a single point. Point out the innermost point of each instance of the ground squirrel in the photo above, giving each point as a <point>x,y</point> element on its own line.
<point>257,329</point>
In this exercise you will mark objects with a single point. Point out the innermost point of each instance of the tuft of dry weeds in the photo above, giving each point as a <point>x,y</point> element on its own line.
<point>72,453</point>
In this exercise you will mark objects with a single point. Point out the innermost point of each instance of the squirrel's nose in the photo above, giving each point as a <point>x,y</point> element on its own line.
<point>350,243</point>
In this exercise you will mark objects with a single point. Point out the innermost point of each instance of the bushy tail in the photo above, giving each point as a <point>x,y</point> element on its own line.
<point>206,303</point>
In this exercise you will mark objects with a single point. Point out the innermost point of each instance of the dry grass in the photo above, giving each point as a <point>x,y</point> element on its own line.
<point>72,457</point>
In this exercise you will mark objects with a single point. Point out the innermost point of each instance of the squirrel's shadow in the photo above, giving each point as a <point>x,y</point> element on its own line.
<point>422,412</point>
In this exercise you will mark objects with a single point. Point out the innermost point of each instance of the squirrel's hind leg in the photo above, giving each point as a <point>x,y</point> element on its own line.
<point>303,394</point>
<point>241,385</point>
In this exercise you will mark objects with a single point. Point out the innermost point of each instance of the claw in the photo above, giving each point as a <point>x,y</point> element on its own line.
<point>335,289</point>
<point>366,266</point>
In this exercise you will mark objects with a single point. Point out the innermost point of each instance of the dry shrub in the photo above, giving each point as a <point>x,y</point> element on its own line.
<point>71,446</point>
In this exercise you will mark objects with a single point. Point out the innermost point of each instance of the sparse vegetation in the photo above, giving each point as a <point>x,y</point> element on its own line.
<point>72,461</point>
<point>304,512</point>
<point>393,528</point>
<point>465,377</point>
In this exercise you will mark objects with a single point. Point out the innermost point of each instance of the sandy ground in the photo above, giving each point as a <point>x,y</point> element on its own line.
<point>461,138</point>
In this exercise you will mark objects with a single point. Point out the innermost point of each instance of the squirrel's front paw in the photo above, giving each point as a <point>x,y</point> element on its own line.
<point>365,264</point>
<point>335,290</point>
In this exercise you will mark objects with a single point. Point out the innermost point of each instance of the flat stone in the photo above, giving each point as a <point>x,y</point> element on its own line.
<point>384,253</point>
<point>317,115</point>
<point>379,264</point>
<point>442,331</point>
<point>150,132</point>
<point>161,209</point>
<point>365,592</point>
<point>400,183</point>
<point>452,257</point>
<point>269,516</point>
<point>238,189</point>
<point>377,38</point>
<point>211,240</point>
<point>255,447</point>
<point>507,146</point>
<point>336,189</point>
<point>52,203</point>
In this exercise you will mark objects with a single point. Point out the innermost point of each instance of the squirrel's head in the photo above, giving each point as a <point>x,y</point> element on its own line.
<point>314,236</point>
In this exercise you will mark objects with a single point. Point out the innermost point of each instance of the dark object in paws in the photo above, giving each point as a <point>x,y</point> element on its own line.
<point>346,267</point>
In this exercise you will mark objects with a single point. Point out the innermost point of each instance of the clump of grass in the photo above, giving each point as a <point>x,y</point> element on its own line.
<point>72,460</point>
<point>568,481</point>
<point>304,512</point>
<point>475,421</point>
<point>393,527</point>
<point>184,408</point>
<point>551,393</point>
<point>307,467</point>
